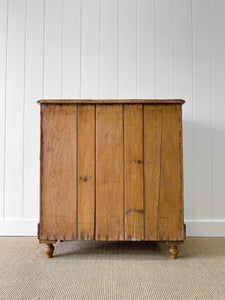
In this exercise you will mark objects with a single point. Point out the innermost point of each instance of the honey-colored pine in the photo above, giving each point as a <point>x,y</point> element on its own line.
<point>170,216</point>
<point>152,168</point>
<point>133,179</point>
<point>58,217</point>
<point>109,172</point>
<point>86,171</point>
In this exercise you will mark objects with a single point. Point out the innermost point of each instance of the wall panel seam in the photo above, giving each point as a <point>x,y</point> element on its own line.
<point>155,49</point>
<point>118,22</point>
<point>99,48</point>
<point>211,108</point>
<point>81,32</point>
<point>6,73</point>
<point>62,28</point>
<point>43,74</point>
<point>24,102</point>
<point>173,49</point>
<point>193,125</point>
<point>137,48</point>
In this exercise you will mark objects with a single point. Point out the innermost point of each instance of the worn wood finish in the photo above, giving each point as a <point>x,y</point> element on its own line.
<point>173,251</point>
<point>109,173</point>
<point>152,168</point>
<point>49,249</point>
<point>58,219</point>
<point>112,101</point>
<point>170,217</point>
<point>133,177</point>
<point>86,171</point>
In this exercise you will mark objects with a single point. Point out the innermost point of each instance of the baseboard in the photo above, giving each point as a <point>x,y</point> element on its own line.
<point>205,228</point>
<point>200,228</point>
<point>27,227</point>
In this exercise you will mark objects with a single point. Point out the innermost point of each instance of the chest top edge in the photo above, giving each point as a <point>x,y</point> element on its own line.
<point>111,101</point>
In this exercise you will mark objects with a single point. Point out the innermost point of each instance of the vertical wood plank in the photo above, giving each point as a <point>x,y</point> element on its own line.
<point>15,110</point>
<point>146,49</point>
<point>152,170</point>
<point>164,49</point>
<point>86,172</point>
<point>127,60</point>
<point>90,49</point>
<point>203,202</point>
<point>108,49</point>
<point>52,79</point>
<point>183,90</point>
<point>71,49</point>
<point>133,177</point>
<point>3,66</point>
<point>170,217</point>
<point>33,91</point>
<point>218,108</point>
<point>109,172</point>
<point>59,172</point>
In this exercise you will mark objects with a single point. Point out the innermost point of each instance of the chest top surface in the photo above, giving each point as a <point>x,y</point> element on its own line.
<point>111,101</point>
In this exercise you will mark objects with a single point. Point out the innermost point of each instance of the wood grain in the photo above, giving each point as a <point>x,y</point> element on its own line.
<point>86,171</point>
<point>111,101</point>
<point>133,179</point>
<point>58,219</point>
<point>170,218</point>
<point>152,166</point>
<point>109,172</point>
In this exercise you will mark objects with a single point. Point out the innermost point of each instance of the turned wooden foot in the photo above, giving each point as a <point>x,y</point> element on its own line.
<point>49,249</point>
<point>173,250</point>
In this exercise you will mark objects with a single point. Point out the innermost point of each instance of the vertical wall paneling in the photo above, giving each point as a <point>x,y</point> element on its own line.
<point>164,46</point>
<point>15,110</point>
<point>145,49</point>
<point>71,49</point>
<point>53,49</point>
<point>3,67</point>
<point>90,49</point>
<point>127,61</point>
<point>32,92</point>
<point>202,110</point>
<point>183,89</point>
<point>112,49</point>
<point>218,108</point>
<point>108,49</point>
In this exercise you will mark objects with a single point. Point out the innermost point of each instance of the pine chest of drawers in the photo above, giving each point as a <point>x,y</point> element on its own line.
<point>111,170</point>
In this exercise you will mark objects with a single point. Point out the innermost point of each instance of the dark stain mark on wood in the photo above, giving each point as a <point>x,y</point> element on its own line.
<point>85,178</point>
<point>138,161</point>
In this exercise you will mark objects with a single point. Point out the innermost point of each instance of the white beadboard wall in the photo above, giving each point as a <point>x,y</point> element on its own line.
<point>113,49</point>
